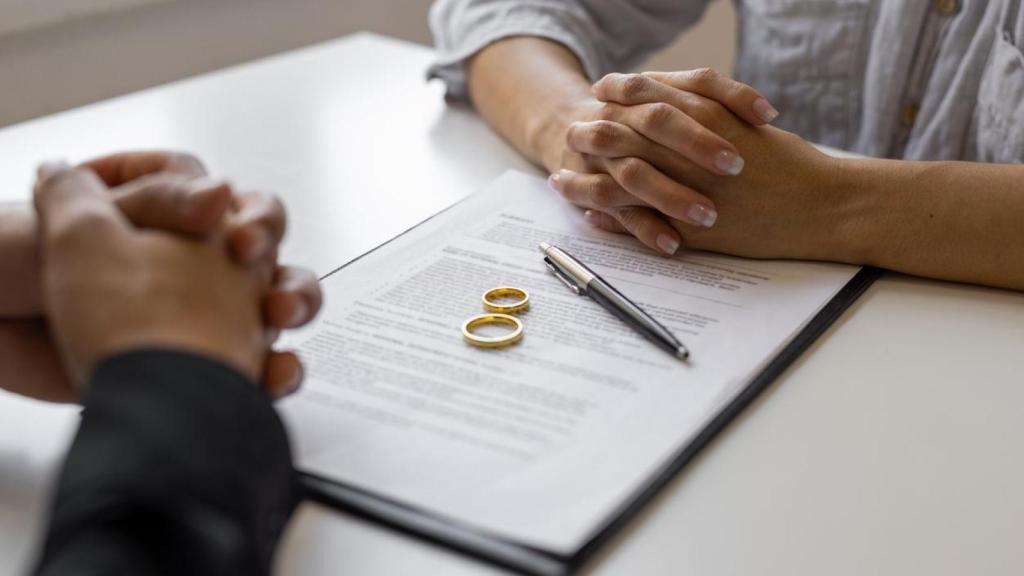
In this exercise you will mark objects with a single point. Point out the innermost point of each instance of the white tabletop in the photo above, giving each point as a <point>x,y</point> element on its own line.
<point>892,447</point>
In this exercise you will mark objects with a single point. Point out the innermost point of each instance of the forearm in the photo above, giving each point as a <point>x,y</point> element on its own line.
<point>19,265</point>
<point>528,89</point>
<point>954,221</point>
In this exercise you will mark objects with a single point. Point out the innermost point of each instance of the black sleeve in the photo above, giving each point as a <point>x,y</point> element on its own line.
<point>180,466</point>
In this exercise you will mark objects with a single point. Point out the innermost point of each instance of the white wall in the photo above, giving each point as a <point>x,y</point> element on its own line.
<point>93,58</point>
<point>19,15</point>
<point>712,43</point>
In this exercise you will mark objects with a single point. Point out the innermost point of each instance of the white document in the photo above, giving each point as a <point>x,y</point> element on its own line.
<point>540,442</point>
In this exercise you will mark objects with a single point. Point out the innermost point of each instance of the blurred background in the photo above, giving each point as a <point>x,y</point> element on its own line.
<point>60,54</point>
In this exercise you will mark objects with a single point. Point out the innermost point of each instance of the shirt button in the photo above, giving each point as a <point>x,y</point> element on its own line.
<point>909,114</point>
<point>947,7</point>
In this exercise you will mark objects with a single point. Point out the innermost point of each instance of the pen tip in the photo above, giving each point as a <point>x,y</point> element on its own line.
<point>682,353</point>
<point>544,247</point>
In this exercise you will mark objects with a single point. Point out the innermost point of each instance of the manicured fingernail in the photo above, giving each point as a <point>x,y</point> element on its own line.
<point>51,167</point>
<point>765,111</point>
<point>558,178</point>
<point>553,182</point>
<point>729,162</point>
<point>702,215</point>
<point>592,217</point>
<point>668,244</point>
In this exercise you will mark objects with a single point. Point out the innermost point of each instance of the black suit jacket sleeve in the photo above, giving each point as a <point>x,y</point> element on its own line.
<point>180,466</point>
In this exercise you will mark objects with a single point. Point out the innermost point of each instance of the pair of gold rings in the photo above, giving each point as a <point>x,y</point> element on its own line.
<point>500,313</point>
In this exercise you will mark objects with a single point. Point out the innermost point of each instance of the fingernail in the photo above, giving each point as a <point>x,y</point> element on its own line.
<point>729,162</point>
<point>668,244</point>
<point>553,182</point>
<point>51,167</point>
<point>558,178</point>
<point>702,215</point>
<point>291,386</point>
<point>298,314</point>
<point>259,242</point>
<point>296,381</point>
<point>765,111</point>
<point>203,185</point>
<point>592,217</point>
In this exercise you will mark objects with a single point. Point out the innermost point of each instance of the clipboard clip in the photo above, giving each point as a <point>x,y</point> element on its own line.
<point>569,282</point>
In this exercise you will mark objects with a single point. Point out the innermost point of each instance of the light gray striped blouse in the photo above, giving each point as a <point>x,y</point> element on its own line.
<point>914,79</point>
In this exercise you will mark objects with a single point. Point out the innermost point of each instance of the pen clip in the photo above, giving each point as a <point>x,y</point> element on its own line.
<point>576,288</point>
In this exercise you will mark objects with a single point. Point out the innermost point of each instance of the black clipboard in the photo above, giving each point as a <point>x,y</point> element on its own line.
<point>470,541</point>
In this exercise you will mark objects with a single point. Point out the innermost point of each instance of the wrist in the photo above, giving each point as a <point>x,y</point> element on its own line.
<point>529,89</point>
<point>857,211</point>
<point>546,135</point>
<point>245,355</point>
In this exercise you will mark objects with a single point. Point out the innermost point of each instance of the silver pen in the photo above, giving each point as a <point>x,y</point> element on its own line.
<point>584,282</point>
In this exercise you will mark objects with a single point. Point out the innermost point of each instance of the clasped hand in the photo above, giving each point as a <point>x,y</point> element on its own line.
<point>690,158</point>
<point>144,250</point>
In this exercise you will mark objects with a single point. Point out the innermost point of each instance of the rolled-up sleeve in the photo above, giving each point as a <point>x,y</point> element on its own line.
<point>606,35</point>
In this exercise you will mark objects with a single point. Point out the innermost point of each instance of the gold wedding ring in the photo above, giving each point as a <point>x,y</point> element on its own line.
<point>492,341</point>
<point>491,300</point>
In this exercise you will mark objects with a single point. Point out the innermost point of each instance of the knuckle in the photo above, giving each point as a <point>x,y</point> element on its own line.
<point>634,87</point>
<point>604,85</point>
<point>66,183</point>
<point>575,136</point>
<point>87,223</point>
<point>161,190</point>
<point>55,183</point>
<point>631,172</point>
<point>656,115</point>
<point>704,77</point>
<point>631,219</point>
<point>642,223</point>
<point>607,79</point>
<point>603,193</point>
<point>166,194</point>
<point>602,135</point>
<point>572,134</point>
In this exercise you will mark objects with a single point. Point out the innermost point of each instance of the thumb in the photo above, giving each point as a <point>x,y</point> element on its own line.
<point>73,204</point>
